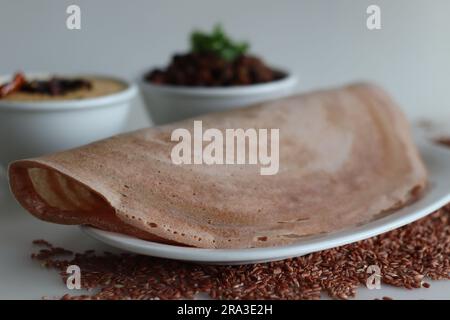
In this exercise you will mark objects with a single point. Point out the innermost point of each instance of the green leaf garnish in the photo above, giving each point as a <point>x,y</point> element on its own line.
<point>217,42</point>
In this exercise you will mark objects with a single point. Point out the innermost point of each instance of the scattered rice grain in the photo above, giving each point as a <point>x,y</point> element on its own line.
<point>405,256</point>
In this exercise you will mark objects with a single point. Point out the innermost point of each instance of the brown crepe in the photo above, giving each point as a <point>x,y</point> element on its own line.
<point>346,158</point>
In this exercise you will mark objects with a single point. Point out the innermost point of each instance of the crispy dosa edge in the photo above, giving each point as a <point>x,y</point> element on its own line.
<point>102,215</point>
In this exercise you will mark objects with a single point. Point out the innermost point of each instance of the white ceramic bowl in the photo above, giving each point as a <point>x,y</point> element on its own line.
<point>171,103</point>
<point>29,129</point>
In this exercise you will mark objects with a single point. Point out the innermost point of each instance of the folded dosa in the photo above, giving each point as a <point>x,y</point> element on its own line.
<point>346,158</point>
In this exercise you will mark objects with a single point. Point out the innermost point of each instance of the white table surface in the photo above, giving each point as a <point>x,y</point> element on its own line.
<point>23,278</point>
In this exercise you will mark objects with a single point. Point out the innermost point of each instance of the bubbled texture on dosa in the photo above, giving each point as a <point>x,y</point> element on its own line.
<point>346,158</point>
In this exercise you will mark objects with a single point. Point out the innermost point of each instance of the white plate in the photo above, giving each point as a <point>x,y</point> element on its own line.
<point>437,160</point>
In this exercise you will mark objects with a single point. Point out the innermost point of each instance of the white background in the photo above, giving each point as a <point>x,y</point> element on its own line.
<point>326,43</point>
